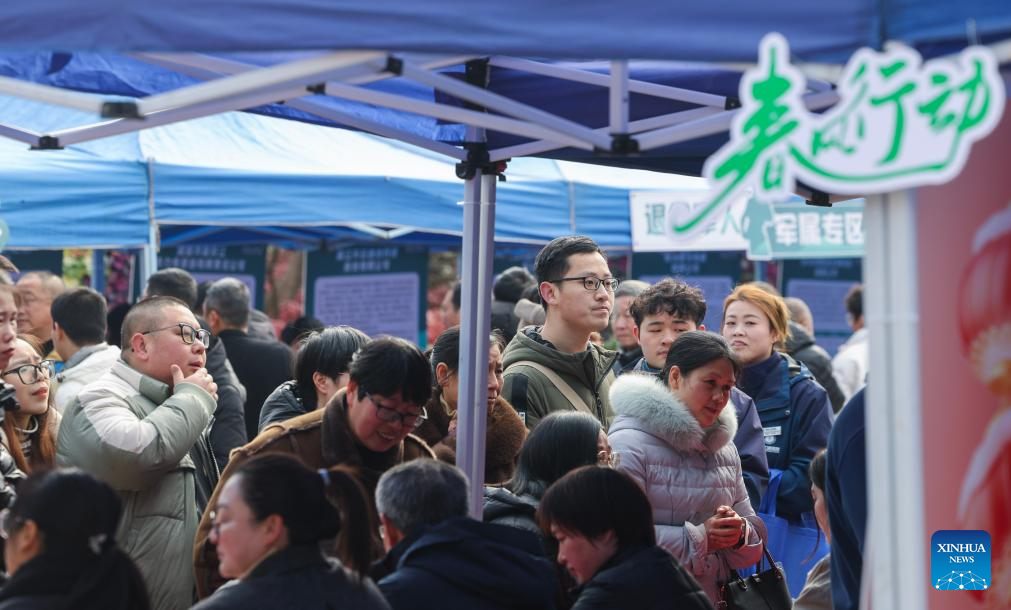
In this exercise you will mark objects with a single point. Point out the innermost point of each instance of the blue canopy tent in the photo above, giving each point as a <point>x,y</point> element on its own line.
<point>257,53</point>
<point>238,178</point>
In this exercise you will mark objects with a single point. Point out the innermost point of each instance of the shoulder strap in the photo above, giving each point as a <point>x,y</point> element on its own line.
<point>566,390</point>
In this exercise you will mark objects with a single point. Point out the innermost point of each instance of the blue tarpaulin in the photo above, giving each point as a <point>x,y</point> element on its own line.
<point>241,178</point>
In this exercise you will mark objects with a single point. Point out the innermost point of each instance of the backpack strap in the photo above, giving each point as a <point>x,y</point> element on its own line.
<point>565,389</point>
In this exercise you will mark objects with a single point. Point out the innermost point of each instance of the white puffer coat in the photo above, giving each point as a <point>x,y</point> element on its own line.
<point>686,471</point>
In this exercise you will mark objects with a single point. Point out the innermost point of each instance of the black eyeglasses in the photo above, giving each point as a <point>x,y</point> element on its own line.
<point>187,332</point>
<point>31,373</point>
<point>592,283</point>
<point>391,415</point>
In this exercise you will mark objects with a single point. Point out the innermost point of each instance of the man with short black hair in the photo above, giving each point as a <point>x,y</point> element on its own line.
<point>79,326</point>
<point>555,367</point>
<point>366,426</point>
<point>134,428</point>
<point>440,558</point>
<point>260,364</point>
<point>849,367</point>
<point>37,290</point>
<point>660,314</point>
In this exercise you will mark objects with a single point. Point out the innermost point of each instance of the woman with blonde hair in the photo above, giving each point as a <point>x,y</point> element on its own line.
<point>795,411</point>
<point>29,433</point>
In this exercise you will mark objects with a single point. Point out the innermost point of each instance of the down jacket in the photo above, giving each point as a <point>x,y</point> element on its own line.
<point>686,472</point>
<point>135,433</point>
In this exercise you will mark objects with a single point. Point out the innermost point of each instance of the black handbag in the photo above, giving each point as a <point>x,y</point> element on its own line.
<point>761,591</point>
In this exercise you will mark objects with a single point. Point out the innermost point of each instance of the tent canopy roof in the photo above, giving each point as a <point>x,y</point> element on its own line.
<point>827,32</point>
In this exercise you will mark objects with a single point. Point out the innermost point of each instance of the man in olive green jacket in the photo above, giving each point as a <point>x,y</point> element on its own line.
<point>134,428</point>
<point>555,367</point>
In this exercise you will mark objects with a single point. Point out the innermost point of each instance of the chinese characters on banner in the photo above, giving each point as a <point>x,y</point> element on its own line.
<point>899,123</point>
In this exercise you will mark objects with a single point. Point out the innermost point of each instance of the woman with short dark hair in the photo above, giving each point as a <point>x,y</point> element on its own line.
<point>269,522</point>
<point>676,441</point>
<point>603,523</point>
<point>321,369</point>
<point>60,547</point>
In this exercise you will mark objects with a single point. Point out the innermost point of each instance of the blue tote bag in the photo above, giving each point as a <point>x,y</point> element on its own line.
<point>796,546</point>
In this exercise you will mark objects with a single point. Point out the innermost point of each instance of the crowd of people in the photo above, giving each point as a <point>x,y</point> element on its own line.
<point>182,455</point>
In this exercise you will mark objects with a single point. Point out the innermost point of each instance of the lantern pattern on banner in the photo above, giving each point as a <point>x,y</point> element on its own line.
<point>984,314</point>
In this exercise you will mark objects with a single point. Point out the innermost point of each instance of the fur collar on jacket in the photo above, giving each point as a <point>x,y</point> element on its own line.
<point>646,400</point>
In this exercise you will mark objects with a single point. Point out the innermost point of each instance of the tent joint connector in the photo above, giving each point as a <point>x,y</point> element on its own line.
<point>478,159</point>
<point>394,65</point>
<point>318,89</point>
<point>621,144</point>
<point>121,110</point>
<point>732,102</point>
<point>819,199</point>
<point>47,143</point>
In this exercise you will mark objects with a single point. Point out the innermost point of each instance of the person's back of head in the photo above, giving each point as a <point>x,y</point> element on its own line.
<point>69,519</point>
<point>800,313</point>
<point>511,283</point>
<point>227,304</point>
<point>391,366</point>
<point>327,352</point>
<point>173,282</point>
<point>855,307</point>
<point>561,442</point>
<point>421,493</point>
<point>299,328</point>
<point>82,315</point>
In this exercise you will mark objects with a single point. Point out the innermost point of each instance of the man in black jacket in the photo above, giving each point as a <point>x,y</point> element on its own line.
<point>228,425</point>
<point>442,559</point>
<point>261,364</point>
<point>803,348</point>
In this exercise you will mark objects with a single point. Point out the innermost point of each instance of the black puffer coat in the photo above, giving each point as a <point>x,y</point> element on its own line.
<point>803,349</point>
<point>642,578</point>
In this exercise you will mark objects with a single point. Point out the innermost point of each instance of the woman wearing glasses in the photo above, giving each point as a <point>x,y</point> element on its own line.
<point>60,547</point>
<point>271,519</point>
<point>30,432</point>
<point>675,441</point>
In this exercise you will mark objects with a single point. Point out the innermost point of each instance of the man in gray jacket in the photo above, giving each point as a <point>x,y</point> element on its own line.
<point>134,427</point>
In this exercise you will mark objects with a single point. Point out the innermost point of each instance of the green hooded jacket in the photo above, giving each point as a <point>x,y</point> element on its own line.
<point>589,374</point>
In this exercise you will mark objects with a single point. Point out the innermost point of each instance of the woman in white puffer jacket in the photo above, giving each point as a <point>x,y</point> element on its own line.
<point>675,440</point>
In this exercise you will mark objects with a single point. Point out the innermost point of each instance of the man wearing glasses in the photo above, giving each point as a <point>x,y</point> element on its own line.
<point>555,367</point>
<point>134,428</point>
<point>366,426</point>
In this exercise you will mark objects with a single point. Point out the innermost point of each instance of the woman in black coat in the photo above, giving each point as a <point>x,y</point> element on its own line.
<point>604,527</point>
<point>271,518</point>
<point>60,547</point>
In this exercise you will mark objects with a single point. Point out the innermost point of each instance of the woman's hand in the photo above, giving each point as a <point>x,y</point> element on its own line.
<point>724,529</point>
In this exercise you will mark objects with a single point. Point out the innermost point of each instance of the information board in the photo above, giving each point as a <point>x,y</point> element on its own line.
<point>715,273</point>
<point>379,290</point>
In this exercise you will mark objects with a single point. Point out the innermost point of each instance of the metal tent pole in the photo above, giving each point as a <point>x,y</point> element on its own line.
<point>149,254</point>
<point>895,551</point>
